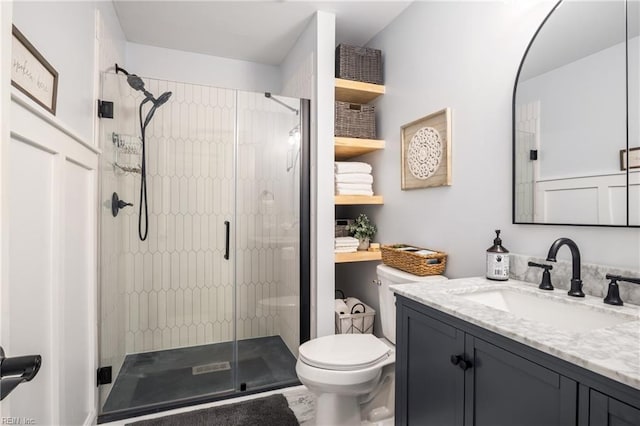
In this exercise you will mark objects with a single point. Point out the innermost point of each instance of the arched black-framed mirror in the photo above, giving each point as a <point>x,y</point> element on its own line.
<point>575,118</point>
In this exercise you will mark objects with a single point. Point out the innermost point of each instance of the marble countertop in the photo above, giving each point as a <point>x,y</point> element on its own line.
<point>612,351</point>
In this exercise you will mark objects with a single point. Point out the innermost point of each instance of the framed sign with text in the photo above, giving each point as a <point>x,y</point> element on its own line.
<point>32,74</point>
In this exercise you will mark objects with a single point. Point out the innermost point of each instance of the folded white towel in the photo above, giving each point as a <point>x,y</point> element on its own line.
<point>341,242</point>
<point>355,306</point>
<point>352,167</point>
<point>353,178</point>
<point>353,192</point>
<point>356,186</point>
<point>346,245</point>
<point>341,307</point>
<point>345,239</point>
<point>345,250</point>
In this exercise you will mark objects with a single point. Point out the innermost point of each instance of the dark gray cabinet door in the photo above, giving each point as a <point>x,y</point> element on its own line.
<point>505,389</point>
<point>430,389</point>
<point>606,411</point>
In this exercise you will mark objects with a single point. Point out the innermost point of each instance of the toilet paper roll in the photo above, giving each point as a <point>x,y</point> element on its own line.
<point>354,305</point>
<point>341,307</point>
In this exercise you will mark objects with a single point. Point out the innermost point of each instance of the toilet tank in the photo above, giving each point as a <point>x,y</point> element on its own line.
<point>391,276</point>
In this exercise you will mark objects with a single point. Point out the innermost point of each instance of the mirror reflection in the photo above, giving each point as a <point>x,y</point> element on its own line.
<point>570,118</point>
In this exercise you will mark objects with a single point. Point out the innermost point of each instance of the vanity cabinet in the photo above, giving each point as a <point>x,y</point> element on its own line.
<point>448,377</point>
<point>450,372</point>
<point>607,411</point>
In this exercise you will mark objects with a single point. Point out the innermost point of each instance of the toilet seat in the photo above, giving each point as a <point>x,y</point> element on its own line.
<point>344,352</point>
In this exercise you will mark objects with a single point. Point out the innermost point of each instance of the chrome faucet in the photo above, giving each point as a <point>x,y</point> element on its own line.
<point>576,282</point>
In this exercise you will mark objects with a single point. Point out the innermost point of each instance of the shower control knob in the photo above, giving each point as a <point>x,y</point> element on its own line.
<point>117,204</point>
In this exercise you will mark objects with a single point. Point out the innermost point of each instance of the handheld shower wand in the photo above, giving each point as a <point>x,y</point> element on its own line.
<point>136,83</point>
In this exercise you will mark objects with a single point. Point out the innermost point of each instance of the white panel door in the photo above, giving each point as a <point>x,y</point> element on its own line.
<point>49,291</point>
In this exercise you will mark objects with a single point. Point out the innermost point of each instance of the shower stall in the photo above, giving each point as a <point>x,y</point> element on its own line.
<point>215,301</point>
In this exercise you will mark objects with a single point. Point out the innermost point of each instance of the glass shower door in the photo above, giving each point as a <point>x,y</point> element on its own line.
<point>167,323</point>
<point>267,249</point>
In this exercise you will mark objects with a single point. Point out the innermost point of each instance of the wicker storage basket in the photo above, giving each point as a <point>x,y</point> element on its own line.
<point>359,63</point>
<point>355,120</point>
<point>341,227</point>
<point>356,323</point>
<point>409,261</point>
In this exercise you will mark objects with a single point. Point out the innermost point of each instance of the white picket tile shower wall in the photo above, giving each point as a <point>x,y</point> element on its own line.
<point>176,289</point>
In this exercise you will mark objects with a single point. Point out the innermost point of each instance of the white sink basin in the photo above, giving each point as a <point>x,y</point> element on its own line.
<point>549,309</point>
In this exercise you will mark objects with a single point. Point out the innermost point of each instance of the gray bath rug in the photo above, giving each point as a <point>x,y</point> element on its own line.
<point>268,411</point>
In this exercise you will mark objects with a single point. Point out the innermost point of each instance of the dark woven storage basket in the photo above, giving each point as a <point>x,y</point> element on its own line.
<point>359,63</point>
<point>341,228</point>
<point>415,264</point>
<point>355,120</point>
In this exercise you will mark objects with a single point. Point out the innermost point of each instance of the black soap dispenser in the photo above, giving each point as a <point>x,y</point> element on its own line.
<point>497,260</point>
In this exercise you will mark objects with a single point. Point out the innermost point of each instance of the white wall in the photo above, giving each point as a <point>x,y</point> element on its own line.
<point>196,68</point>
<point>464,56</point>
<point>307,72</point>
<point>65,34</point>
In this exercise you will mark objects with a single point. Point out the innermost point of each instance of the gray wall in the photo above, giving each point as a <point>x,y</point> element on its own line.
<point>464,56</point>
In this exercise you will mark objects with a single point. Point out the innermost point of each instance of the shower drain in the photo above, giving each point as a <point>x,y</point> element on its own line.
<point>210,368</point>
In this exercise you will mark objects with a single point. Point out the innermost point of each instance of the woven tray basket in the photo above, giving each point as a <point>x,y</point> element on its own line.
<point>359,63</point>
<point>355,120</point>
<point>413,263</point>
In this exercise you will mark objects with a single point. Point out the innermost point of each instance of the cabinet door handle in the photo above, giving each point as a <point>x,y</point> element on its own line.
<point>460,362</point>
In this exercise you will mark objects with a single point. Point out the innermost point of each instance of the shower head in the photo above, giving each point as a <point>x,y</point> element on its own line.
<point>136,83</point>
<point>161,99</point>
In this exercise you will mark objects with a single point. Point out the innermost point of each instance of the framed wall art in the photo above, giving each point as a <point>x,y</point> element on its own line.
<point>32,74</point>
<point>426,151</point>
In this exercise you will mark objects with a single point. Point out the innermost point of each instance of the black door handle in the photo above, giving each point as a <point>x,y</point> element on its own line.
<point>226,239</point>
<point>460,362</point>
<point>14,371</point>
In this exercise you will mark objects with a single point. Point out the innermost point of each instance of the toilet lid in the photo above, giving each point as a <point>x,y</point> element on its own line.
<point>343,351</point>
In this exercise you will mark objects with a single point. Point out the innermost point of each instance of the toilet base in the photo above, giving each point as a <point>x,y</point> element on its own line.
<point>337,410</point>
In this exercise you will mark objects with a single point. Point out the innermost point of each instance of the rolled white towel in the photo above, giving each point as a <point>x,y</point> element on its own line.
<point>341,307</point>
<point>353,178</point>
<point>353,192</point>
<point>355,306</point>
<point>352,167</point>
<point>356,186</point>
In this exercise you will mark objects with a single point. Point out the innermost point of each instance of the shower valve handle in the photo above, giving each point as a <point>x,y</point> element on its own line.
<point>117,204</point>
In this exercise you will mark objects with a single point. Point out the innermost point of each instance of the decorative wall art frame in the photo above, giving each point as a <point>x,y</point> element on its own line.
<point>634,158</point>
<point>32,74</point>
<point>426,151</point>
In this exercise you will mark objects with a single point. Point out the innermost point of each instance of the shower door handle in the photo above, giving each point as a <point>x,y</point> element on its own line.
<point>226,239</point>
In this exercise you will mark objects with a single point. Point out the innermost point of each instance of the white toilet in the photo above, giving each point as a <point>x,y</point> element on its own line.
<point>353,374</point>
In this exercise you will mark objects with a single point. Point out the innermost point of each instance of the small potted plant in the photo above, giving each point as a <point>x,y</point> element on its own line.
<point>363,230</point>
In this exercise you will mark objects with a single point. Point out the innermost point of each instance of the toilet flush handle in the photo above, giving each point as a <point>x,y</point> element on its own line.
<point>376,282</point>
